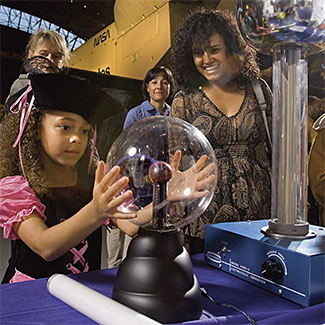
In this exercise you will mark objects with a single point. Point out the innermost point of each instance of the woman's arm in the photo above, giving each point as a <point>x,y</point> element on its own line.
<point>51,243</point>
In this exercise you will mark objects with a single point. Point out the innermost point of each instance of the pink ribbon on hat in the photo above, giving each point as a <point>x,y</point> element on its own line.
<point>25,109</point>
<point>22,100</point>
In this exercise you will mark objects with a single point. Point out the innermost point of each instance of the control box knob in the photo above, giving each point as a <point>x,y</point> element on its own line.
<point>272,269</point>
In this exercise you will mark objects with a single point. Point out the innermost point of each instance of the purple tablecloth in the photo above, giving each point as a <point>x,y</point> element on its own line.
<point>30,302</point>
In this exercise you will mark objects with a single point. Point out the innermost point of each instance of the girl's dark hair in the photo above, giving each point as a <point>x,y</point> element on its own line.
<point>30,151</point>
<point>154,73</point>
<point>197,28</point>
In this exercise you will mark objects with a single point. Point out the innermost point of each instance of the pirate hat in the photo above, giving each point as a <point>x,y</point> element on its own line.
<point>64,92</point>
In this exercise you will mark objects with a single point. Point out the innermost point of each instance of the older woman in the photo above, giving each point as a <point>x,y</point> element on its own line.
<point>48,44</point>
<point>157,88</point>
<point>214,67</point>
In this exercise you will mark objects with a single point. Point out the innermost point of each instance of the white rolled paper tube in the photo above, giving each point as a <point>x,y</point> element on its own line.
<point>93,304</point>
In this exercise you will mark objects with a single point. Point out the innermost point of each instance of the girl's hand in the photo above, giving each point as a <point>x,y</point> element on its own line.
<point>106,193</point>
<point>189,184</point>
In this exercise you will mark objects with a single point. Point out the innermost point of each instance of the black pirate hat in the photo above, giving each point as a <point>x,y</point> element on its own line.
<point>57,90</point>
<point>64,92</point>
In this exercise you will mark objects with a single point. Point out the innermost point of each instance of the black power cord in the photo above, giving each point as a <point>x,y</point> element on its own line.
<point>206,295</point>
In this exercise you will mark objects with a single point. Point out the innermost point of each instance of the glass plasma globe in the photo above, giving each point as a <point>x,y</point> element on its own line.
<point>266,23</point>
<point>148,153</point>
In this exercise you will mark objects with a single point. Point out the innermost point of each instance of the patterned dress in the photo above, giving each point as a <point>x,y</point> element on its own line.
<point>240,143</point>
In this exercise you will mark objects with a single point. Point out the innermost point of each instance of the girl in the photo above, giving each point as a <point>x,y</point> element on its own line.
<point>47,206</point>
<point>46,203</point>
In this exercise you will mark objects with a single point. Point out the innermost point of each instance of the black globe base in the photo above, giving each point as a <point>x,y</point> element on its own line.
<point>156,278</point>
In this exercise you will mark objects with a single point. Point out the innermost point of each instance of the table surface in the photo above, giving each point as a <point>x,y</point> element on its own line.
<point>30,302</point>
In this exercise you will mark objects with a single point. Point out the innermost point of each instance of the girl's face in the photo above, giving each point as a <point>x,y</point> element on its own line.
<point>158,89</point>
<point>213,62</point>
<point>45,48</point>
<point>64,137</point>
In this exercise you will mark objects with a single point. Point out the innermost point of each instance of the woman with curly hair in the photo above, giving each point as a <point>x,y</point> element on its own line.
<point>47,205</point>
<point>213,68</point>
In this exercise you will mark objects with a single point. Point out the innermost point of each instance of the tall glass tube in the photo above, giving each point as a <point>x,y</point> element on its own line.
<point>289,156</point>
<point>287,30</point>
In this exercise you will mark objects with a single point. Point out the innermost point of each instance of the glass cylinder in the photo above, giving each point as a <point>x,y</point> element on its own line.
<point>289,134</point>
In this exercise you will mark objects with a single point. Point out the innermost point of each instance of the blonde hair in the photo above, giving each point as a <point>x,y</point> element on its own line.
<point>56,39</point>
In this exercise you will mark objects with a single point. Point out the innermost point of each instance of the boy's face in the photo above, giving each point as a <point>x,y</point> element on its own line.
<point>64,138</point>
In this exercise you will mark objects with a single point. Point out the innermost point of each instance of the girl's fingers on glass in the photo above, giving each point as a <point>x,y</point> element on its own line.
<point>117,201</point>
<point>121,215</point>
<point>199,164</point>
<point>109,177</point>
<point>206,171</point>
<point>206,181</point>
<point>176,160</point>
<point>199,195</point>
<point>117,188</point>
<point>118,182</point>
<point>100,172</point>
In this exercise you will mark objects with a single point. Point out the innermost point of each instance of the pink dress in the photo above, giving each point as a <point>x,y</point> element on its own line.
<point>17,200</point>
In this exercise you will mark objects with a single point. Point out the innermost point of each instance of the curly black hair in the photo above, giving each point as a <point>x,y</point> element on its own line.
<point>30,152</point>
<point>197,28</point>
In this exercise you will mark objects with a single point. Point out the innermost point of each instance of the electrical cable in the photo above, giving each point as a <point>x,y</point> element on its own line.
<point>205,294</point>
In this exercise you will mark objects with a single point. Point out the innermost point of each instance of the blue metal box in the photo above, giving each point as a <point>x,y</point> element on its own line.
<point>294,269</point>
